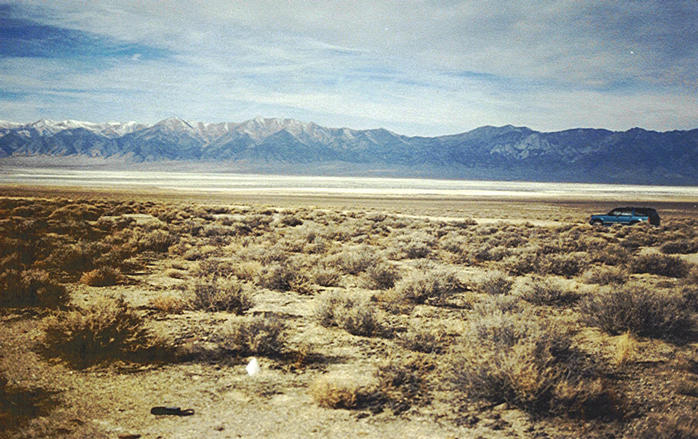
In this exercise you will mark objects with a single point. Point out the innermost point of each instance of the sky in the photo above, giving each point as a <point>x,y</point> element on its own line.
<point>415,67</point>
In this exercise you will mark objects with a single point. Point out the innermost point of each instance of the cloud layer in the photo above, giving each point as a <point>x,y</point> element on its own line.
<point>416,67</point>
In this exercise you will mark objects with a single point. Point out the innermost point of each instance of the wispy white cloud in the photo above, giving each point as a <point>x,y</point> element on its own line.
<point>416,67</point>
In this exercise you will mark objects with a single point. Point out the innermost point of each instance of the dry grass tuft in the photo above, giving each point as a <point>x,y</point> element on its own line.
<point>102,277</point>
<point>169,304</point>
<point>337,392</point>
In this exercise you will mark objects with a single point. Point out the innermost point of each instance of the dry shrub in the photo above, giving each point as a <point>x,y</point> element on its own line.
<point>548,292</point>
<point>435,284</point>
<point>671,425</point>
<point>495,282</point>
<point>605,276</point>
<point>381,276</point>
<point>259,335</point>
<point>611,254</point>
<point>102,277</point>
<point>354,260</point>
<point>199,252</point>
<point>74,258</point>
<point>326,276</point>
<point>520,264</point>
<point>662,265</point>
<point>107,330</point>
<point>638,310</point>
<point>353,314</point>
<point>400,383</point>
<point>31,288</point>
<point>221,295</point>
<point>282,277</point>
<point>421,339</point>
<point>518,358</point>
<point>214,268</point>
<point>289,219</point>
<point>246,270</point>
<point>169,304</point>
<point>156,240</point>
<point>681,246</point>
<point>692,277</point>
<point>567,265</point>
<point>338,392</point>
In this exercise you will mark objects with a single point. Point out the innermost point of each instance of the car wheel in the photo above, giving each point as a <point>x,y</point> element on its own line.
<point>597,223</point>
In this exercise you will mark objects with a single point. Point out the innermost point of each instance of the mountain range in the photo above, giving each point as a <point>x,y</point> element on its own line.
<point>288,146</point>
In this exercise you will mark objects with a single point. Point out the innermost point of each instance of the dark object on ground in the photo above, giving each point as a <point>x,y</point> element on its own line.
<point>176,411</point>
<point>628,216</point>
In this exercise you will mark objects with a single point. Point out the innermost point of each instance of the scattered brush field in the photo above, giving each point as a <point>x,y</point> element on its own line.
<point>364,323</point>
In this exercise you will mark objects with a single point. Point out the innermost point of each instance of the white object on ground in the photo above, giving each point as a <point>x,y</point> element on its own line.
<point>252,367</point>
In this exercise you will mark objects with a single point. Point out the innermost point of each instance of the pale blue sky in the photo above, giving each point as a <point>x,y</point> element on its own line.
<point>414,67</point>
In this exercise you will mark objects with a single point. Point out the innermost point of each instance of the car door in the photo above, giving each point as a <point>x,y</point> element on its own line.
<point>625,216</point>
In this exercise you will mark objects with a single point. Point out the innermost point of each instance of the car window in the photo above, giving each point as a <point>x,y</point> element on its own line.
<point>614,212</point>
<point>625,212</point>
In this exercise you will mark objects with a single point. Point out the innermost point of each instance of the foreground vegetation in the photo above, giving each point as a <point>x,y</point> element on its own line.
<point>579,329</point>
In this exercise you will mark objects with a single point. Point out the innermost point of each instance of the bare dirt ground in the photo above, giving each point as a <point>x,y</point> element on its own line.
<point>429,285</point>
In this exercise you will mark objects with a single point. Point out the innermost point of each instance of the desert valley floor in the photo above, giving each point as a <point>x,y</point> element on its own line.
<point>369,316</point>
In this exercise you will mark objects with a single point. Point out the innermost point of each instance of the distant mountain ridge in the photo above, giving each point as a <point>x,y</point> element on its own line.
<point>508,152</point>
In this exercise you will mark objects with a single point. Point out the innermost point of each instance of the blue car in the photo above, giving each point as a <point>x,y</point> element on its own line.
<point>628,216</point>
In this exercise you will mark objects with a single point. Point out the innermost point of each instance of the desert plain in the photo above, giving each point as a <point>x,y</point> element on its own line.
<point>369,315</point>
